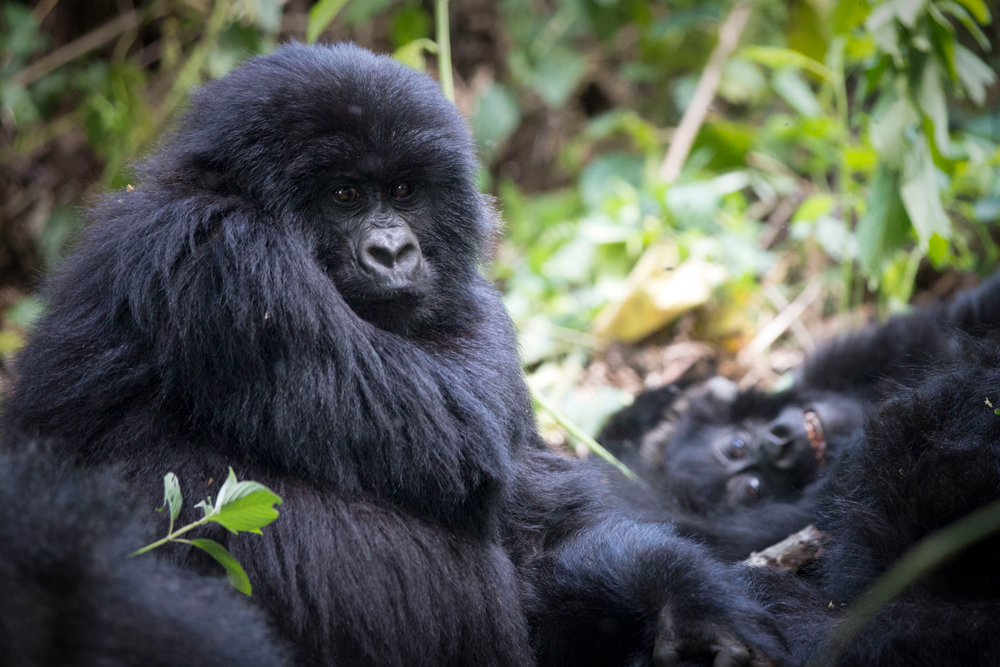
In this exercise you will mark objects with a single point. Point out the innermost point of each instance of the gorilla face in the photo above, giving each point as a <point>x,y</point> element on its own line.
<point>373,170</point>
<point>368,228</point>
<point>733,451</point>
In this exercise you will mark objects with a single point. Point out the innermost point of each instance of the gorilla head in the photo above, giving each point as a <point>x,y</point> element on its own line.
<point>375,167</point>
<point>730,449</point>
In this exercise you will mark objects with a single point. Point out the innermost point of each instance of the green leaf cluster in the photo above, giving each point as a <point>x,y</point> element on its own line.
<point>238,507</point>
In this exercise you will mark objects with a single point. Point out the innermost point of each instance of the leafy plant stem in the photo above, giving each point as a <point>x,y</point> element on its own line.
<point>171,537</point>
<point>577,433</point>
<point>444,49</point>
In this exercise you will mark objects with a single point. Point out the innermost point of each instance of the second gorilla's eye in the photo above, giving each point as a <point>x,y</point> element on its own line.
<point>345,195</point>
<point>401,190</point>
<point>751,491</point>
<point>737,449</point>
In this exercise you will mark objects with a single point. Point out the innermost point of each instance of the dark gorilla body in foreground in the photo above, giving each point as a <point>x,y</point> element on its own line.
<point>71,596</point>
<point>740,470</point>
<point>292,290</point>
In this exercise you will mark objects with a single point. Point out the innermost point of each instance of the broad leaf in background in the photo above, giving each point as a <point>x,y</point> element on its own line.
<point>884,227</point>
<point>922,196</point>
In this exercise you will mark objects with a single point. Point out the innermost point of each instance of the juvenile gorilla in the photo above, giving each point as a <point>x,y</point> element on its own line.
<point>292,290</point>
<point>742,470</point>
<point>71,596</point>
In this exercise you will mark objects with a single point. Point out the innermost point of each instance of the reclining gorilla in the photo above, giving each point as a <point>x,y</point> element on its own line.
<point>929,456</point>
<point>292,290</point>
<point>742,470</point>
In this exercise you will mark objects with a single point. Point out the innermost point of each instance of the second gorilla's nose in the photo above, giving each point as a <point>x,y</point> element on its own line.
<point>391,252</point>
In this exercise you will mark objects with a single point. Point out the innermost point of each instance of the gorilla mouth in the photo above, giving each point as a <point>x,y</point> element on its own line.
<point>814,431</point>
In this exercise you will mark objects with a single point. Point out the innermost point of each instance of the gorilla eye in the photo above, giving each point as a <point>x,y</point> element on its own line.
<point>401,190</point>
<point>345,195</point>
<point>751,491</point>
<point>737,449</point>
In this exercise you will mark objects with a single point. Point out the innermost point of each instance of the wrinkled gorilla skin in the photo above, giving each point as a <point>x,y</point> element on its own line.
<point>930,455</point>
<point>738,469</point>
<point>71,596</point>
<point>292,290</point>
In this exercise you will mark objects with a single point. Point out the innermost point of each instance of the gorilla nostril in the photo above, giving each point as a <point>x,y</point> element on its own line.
<point>382,255</point>
<point>781,433</point>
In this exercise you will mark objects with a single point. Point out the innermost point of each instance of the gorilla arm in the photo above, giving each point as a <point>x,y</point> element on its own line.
<point>602,588</point>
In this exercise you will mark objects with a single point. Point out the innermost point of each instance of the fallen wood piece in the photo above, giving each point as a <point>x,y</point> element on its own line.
<point>792,553</point>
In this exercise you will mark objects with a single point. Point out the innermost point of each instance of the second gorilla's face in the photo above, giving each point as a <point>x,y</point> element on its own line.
<point>724,461</point>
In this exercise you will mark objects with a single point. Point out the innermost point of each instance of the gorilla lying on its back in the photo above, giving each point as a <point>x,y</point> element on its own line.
<point>742,470</point>
<point>292,290</point>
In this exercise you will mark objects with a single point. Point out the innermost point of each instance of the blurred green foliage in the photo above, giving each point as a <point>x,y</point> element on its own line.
<point>867,116</point>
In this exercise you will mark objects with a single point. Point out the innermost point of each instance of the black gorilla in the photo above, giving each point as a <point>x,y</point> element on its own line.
<point>929,456</point>
<point>742,470</point>
<point>71,597</point>
<point>292,290</point>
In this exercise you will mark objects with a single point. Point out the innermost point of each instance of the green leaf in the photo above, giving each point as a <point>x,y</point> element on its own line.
<point>796,92</point>
<point>412,53</point>
<point>881,24</point>
<point>246,506</point>
<point>921,194</point>
<point>496,117</point>
<point>321,15</point>
<point>908,11</point>
<point>975,75</point>
<point>978,9</point>
<point>932,101</point>
<point>172,496</point>
<point>966,19</point>
<point>234,571</point>
<point>778,57</point>
<point>891,121</point>
<point>884,227</point>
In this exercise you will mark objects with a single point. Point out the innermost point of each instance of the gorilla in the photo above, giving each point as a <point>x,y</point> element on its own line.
<point>742,470</point>
<point>292,290</point>
<point>71,597</point>
<point>929,455</point>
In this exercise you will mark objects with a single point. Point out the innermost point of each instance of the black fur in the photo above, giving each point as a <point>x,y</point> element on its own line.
<point>71,596</point>
<point>675,436</point>
<point>930,455</point>
<point>209,319</point>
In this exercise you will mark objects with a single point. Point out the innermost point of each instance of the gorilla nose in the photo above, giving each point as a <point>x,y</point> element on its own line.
<point>391,252</point>
<point>784,435</point>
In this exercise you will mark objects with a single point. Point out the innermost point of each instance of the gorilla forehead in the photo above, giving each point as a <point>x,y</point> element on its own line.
<point>311,109</point>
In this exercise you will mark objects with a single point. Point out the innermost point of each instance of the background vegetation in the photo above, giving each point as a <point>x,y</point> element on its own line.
<point>846,162</point>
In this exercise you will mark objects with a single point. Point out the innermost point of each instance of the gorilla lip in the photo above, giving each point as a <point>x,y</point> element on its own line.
<point>814,431</point>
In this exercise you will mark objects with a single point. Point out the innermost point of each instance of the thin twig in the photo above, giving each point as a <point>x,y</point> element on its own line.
<point>773,329</point>
<point>87,43</point>
<point>694,116</point>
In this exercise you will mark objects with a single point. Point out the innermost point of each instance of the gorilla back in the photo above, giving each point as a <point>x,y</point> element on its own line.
<point>293,290</point>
